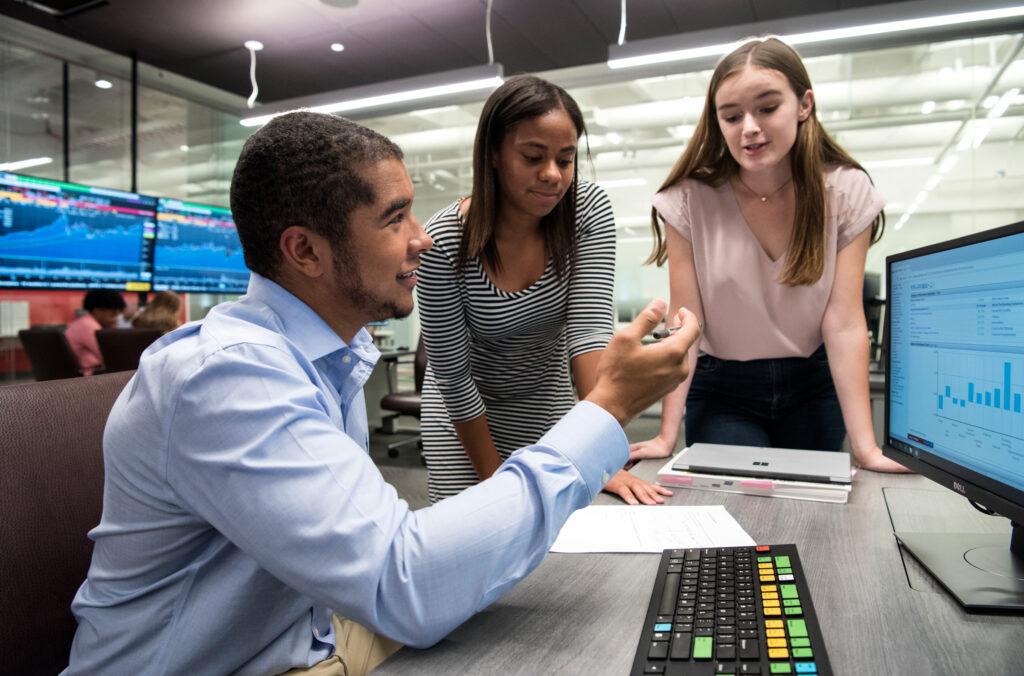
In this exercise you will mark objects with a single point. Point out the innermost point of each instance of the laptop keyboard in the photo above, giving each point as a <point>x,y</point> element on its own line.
<point>731,610</point>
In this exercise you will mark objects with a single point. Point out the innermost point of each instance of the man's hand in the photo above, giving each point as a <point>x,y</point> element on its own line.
<point>631,376</point>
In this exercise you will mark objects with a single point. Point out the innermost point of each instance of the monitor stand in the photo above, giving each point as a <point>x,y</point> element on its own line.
<point>977,568</point>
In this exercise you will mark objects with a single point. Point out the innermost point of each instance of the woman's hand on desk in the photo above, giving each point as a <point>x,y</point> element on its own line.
<point>874,460</point>
<point>635,490</point>
<point>652,448</point>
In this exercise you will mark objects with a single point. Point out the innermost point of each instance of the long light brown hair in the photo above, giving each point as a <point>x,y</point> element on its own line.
<point>707,159</point>
<point>520,98</point>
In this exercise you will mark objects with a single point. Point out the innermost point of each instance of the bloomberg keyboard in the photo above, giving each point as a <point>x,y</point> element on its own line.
<point>731,610</point>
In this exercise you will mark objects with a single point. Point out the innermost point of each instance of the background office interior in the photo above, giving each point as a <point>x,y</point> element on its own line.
<point>937,124</point>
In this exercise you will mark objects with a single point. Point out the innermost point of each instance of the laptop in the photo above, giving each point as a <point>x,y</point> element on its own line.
<point>772,463</point>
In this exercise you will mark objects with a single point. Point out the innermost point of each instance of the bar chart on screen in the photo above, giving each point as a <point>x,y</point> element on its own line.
<point>982,391</point>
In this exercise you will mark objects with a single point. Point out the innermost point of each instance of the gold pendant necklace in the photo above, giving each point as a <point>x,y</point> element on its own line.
<point>763,198</point>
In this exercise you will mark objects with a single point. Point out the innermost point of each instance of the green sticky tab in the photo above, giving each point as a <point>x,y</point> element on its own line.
<point>788,591</point>
<point>781,668</point>
<point>800,642</point>
<point>782,562</point>
<point>796,628</point>
<point>702,648</point>
<point>803,653</point>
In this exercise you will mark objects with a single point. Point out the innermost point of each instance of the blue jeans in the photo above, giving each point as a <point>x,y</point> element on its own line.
<point>782,403</point>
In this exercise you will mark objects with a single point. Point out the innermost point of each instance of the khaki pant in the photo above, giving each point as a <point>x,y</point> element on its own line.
<point>358,651</point>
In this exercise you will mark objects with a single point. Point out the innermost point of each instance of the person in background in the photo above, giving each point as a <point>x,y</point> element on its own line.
<point>768,225</point>
<point>245,528</point>
<point>516,296</point>
<point>102,308</point>
<point>162,312</point>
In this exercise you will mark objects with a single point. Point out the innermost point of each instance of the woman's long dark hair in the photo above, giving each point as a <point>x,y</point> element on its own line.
<point>707,158</point>
<point>520,98</point>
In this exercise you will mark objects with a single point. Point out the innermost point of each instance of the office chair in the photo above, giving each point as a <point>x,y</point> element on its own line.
<point>121,348</point>
<point>51,494</point>
<point>49,353</point>
<point>407,402</point>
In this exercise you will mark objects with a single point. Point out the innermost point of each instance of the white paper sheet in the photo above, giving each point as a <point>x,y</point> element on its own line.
<point>625,528</point>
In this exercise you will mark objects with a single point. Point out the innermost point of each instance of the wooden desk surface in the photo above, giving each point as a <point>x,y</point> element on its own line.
<point>879,611</point>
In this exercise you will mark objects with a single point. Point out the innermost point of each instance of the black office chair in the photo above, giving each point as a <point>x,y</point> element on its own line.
<point>49,353</point>
<point>407,402</point>
<point>121,348</point>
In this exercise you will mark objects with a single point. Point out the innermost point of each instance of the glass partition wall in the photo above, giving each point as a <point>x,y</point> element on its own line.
<point>935,125</point>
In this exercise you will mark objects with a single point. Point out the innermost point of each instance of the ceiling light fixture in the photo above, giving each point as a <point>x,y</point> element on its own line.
<point>25,164</point>
<point>653,51</point>
<point>253,46</point>
<point>380,95</point>
<point>337,47</point>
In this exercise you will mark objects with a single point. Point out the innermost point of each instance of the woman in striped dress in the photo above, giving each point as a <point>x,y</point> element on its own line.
<point>515,297</point>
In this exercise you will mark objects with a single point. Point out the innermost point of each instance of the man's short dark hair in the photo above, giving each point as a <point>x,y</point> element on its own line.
<point>302,169</point>
<point>103,299</point>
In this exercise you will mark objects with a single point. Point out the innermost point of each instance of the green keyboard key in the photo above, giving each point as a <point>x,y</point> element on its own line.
<point>802,653</point>
<point>800,642</point>
<point>793,610</point>
<point>796,628</point>
<point>781,668</point>
<point>782,562</point>
<point>788,591</point>
<point>702,648</point>
<point>790,602</point>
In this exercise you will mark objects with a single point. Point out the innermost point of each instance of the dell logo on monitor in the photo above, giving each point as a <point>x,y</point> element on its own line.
<point>959,488</point>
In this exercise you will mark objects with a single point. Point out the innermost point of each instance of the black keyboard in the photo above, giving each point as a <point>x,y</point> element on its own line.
<point>731,610</point>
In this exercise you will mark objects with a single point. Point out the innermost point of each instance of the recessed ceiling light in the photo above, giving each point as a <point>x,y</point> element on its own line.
<point>254,45</point>
<point>103,84</point>
<point>337,47</point>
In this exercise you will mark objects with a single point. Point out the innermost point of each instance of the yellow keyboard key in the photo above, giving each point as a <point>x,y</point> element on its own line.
<point>769,595</point>
<point>773,624</point>
<point>777,643</point>
<point>772,611</point>
<point>775,633</point>
<point>778,653</point>
<point>770,603</point>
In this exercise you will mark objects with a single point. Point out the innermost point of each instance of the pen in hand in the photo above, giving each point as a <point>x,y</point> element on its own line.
<point>665,333</point>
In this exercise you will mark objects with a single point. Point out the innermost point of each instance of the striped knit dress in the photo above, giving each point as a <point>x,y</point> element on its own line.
<point>507,354</point>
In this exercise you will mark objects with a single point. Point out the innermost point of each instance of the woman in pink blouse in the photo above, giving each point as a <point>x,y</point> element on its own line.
<point>768,225</point>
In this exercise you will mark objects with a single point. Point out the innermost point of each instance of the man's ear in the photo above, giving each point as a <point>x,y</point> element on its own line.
<point>304,251</point>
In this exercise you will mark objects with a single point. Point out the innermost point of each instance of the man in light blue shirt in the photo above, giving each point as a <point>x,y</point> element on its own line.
<point>241,509</point>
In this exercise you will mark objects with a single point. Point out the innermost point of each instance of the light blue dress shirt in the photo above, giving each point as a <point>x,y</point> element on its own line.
<point>241,507</point>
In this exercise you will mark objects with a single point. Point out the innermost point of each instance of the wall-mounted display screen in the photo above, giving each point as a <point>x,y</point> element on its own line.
<point>65,236</point>
<point>197,249</point>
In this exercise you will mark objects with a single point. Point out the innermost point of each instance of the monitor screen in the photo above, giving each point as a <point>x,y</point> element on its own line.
<point>197,249</point>
<point>954,382</point>
<point>64,236</point>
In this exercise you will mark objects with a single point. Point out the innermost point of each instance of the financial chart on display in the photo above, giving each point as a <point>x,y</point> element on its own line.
<point>957,360</point>
<point>197,249</point>
<point>63,235</point>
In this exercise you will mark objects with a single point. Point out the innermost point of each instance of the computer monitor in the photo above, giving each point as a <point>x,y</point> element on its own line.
<point>197,249</point>
<point>954,383</point>
<point>56,235</point>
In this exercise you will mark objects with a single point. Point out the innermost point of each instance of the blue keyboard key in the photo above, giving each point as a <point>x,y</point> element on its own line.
<point>663,626</point>
<point>806,668</point>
